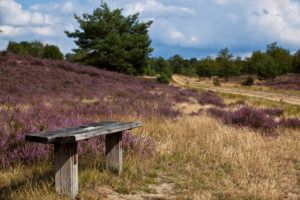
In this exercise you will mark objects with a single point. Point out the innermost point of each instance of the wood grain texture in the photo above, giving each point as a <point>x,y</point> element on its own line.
<point>70,135</point>
<point>66,169</point>
<point>113,152</point>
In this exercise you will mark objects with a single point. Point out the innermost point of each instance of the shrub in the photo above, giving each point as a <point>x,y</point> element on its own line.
<point>290,82</point>
<point>210,97</point>
<point>253,118</point>
<point>246,117</point>
<point>163,78</point>
<point>273,111</point>
<point>216,81</point>
<point>222,115</point>
<point>35,49</point>
<point>290,123</point>
<point>248,81</point>
<point>52,52</point>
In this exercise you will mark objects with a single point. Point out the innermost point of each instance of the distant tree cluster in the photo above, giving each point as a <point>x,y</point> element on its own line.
<point>35,49</point>
<point>266,65</point>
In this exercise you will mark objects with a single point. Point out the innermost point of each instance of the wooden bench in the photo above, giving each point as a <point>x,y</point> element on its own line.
<point>65,150</point>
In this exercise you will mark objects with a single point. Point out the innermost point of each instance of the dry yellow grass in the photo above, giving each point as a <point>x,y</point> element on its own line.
<point>202,157</point>
<point>210,160</point>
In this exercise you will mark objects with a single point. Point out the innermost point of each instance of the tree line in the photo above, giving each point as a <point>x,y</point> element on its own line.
<point>35,49</point>
<point>266,65</point>
<point>108,39</point>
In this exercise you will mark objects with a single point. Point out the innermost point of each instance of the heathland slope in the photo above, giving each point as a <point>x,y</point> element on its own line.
<point>27,79</point>
<point>192,145</point>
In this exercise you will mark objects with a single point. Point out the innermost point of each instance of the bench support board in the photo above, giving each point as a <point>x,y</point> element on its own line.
<point>113,152</point>
<point>66,169</point>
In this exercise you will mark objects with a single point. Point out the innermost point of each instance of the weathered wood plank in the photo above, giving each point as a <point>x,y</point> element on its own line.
<point>113,152</point>
<point>66,169</point>
<point>70,135</point>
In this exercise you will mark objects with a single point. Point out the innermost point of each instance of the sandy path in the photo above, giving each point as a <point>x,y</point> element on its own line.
<point>184,81</point>
<point>163,190</point>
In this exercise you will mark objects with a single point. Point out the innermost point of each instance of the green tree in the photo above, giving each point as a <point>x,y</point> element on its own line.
<point>238,65</point>
<point>190,70</point>
<point>282,58</point>
<point>248,68</point>
<point>207,67</point>
<point>163,67</point>
<point>25,48</point>
<point>13,47</point>
<point>52,52</point>
<point>108,39</point>
<point>224,59</point>
<point>264,65</point>
<point>296,62</point>
<point>35,49</point>
<point>177,63</point>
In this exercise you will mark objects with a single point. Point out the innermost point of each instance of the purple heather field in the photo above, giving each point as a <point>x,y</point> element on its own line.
<point>38,95</point>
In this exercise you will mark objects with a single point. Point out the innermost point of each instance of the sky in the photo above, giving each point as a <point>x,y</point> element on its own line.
<point>191,28</point>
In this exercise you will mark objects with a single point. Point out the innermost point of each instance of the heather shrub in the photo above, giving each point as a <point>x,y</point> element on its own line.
<point>15,124</point>
<point>288,82</point>
<point>253,118</point>
<point>248,81</point>
<point>273,111</point>
<point>290,123</point>
<point>224,116</point>
<point>210,97</point>
<point>246,117</point>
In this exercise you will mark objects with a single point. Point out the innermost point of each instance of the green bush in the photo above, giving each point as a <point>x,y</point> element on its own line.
<point>163,78</point>
<point>216,81</point>
<point>52,52</point>
<point>35,49</point>
<point>248,81</point>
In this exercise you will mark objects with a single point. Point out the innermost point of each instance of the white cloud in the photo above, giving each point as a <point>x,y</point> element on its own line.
<point>279,18</point>
<point>154,7</point>
<point>224,2</point>
<point>40,20</point>
<point>11,13</point>
<point>37,18</point>
<point>64,7</point>
<point>10,30</point>
<point>44,31</point>
<point>68,7</point>
<point>177,38</point>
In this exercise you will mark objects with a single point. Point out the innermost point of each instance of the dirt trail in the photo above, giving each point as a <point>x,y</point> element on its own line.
<point>183,81</point>
<point>163,190</point>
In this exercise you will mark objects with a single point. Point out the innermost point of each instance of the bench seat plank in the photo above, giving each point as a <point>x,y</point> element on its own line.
<point>70,135</point>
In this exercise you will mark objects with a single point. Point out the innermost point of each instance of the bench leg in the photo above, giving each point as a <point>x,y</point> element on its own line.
<point>113,152</point>
<point>66,169</point>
